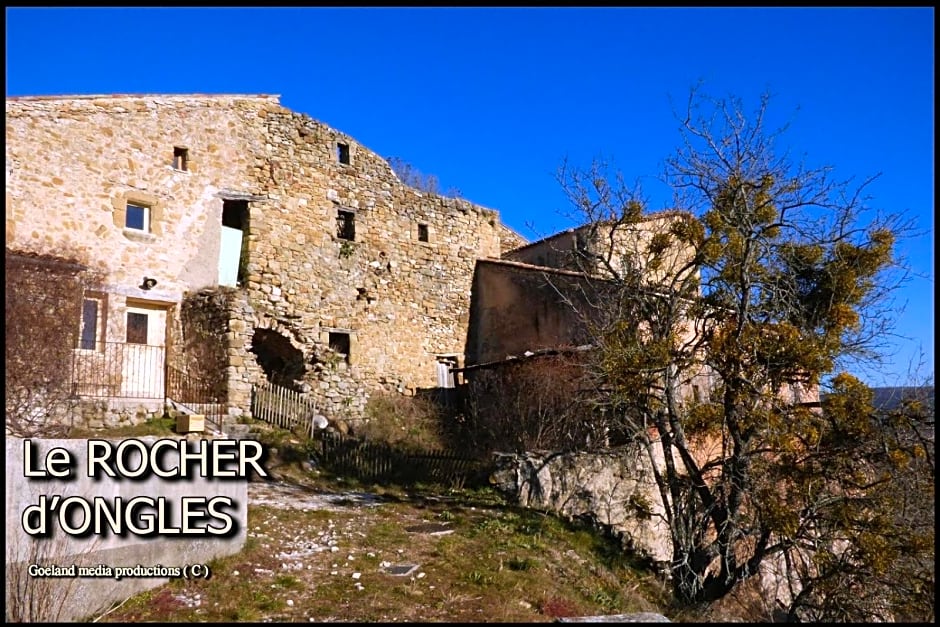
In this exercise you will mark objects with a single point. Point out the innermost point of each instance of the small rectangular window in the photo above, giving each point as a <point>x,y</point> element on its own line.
<point>346,225</point>
<point>180,158</point>
<point>136,328</point>
<point>423,235</point>
<point>342,153</point>
<point>88,336</point>
<point>137,218</point>
<point>339,342</point>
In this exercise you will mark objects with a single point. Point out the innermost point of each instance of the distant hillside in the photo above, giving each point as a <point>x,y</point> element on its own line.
<point>890,398</point>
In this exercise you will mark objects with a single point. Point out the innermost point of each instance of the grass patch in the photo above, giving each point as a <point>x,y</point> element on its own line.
<point>159,426</point>
<point>499,564</point>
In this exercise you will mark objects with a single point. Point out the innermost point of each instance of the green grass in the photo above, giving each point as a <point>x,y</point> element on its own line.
<point>162,426</point>
<point>500,563</point>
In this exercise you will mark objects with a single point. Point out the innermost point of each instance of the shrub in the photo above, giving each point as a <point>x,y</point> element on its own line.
<point>404,421</point>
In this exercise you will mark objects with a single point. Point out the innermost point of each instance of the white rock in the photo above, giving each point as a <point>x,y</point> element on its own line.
<point>290,603</point>
<point>356,575</point>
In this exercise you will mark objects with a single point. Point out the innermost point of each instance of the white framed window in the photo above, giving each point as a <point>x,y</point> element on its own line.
<point>137,217</point>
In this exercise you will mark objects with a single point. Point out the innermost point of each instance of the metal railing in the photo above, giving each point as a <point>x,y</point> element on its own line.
<point>195,395</point>
<point>119,370</point>
<point>380,461</point>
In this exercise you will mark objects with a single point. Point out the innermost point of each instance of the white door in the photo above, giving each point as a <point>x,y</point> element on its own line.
<point>229,255</point>
<point>144,352</point>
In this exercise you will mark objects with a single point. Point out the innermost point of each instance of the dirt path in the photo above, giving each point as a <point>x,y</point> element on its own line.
<point>293,496</point>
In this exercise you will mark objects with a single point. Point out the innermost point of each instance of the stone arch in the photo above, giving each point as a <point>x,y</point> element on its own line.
<point>282,362</point>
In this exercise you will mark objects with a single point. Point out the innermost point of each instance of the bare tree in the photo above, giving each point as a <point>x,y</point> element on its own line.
<point>534,404</point>
<point>713,323</point>
<point>413,177</point>
<point>43,311</point>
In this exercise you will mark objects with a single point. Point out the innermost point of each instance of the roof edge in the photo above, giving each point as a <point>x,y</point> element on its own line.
<point>275,97</point>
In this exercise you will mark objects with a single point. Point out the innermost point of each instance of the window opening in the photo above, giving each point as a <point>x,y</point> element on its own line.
<point>235,215</point>
<point>136,327</point>
<point>445,377</point>
<point>180,158</point>
<point>339,342</point>
<point>423,233</point>
<point>346,225</point>
<point>342,153</point>
<point>88,337</point>
<point>137,217</point>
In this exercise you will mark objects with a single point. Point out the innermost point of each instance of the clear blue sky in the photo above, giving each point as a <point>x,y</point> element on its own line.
<point>491,100</point>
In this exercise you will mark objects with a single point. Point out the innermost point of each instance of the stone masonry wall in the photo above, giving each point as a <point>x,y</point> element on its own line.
<point>620,244</point>
<point>613,488</point>
<point>402,301</point>
<point>74,163</point>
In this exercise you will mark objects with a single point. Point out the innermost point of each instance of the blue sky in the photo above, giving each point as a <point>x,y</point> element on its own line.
<point>492,100</point>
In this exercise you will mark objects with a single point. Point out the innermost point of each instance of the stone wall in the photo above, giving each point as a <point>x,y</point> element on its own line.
<point>509,239</point>
<point>399,300</point>
<point>613,488</point>
<point>590,248</point>
<point>517,308</point>
<point>105,413</point>
<point>74,163</point>
<point>616,490</point>
<point>396,290</point>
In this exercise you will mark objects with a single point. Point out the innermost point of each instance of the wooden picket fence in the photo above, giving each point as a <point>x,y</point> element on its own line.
<point>379,462</point>
<point>283,407</point>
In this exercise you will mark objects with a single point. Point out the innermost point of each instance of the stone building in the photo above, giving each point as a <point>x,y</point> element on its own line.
<point>241,242</point>
<point>236,242</point>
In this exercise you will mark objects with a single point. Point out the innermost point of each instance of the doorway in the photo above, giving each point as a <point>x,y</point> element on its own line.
<point>144,352</point>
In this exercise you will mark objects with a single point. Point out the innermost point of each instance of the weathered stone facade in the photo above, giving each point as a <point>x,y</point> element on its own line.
<point>335,250</point>
<point>613,488</point>
<point>603,248</point>
<point>518,308</point>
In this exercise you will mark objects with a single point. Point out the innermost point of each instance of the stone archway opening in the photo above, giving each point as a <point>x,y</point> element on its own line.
<point>282,362</point>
